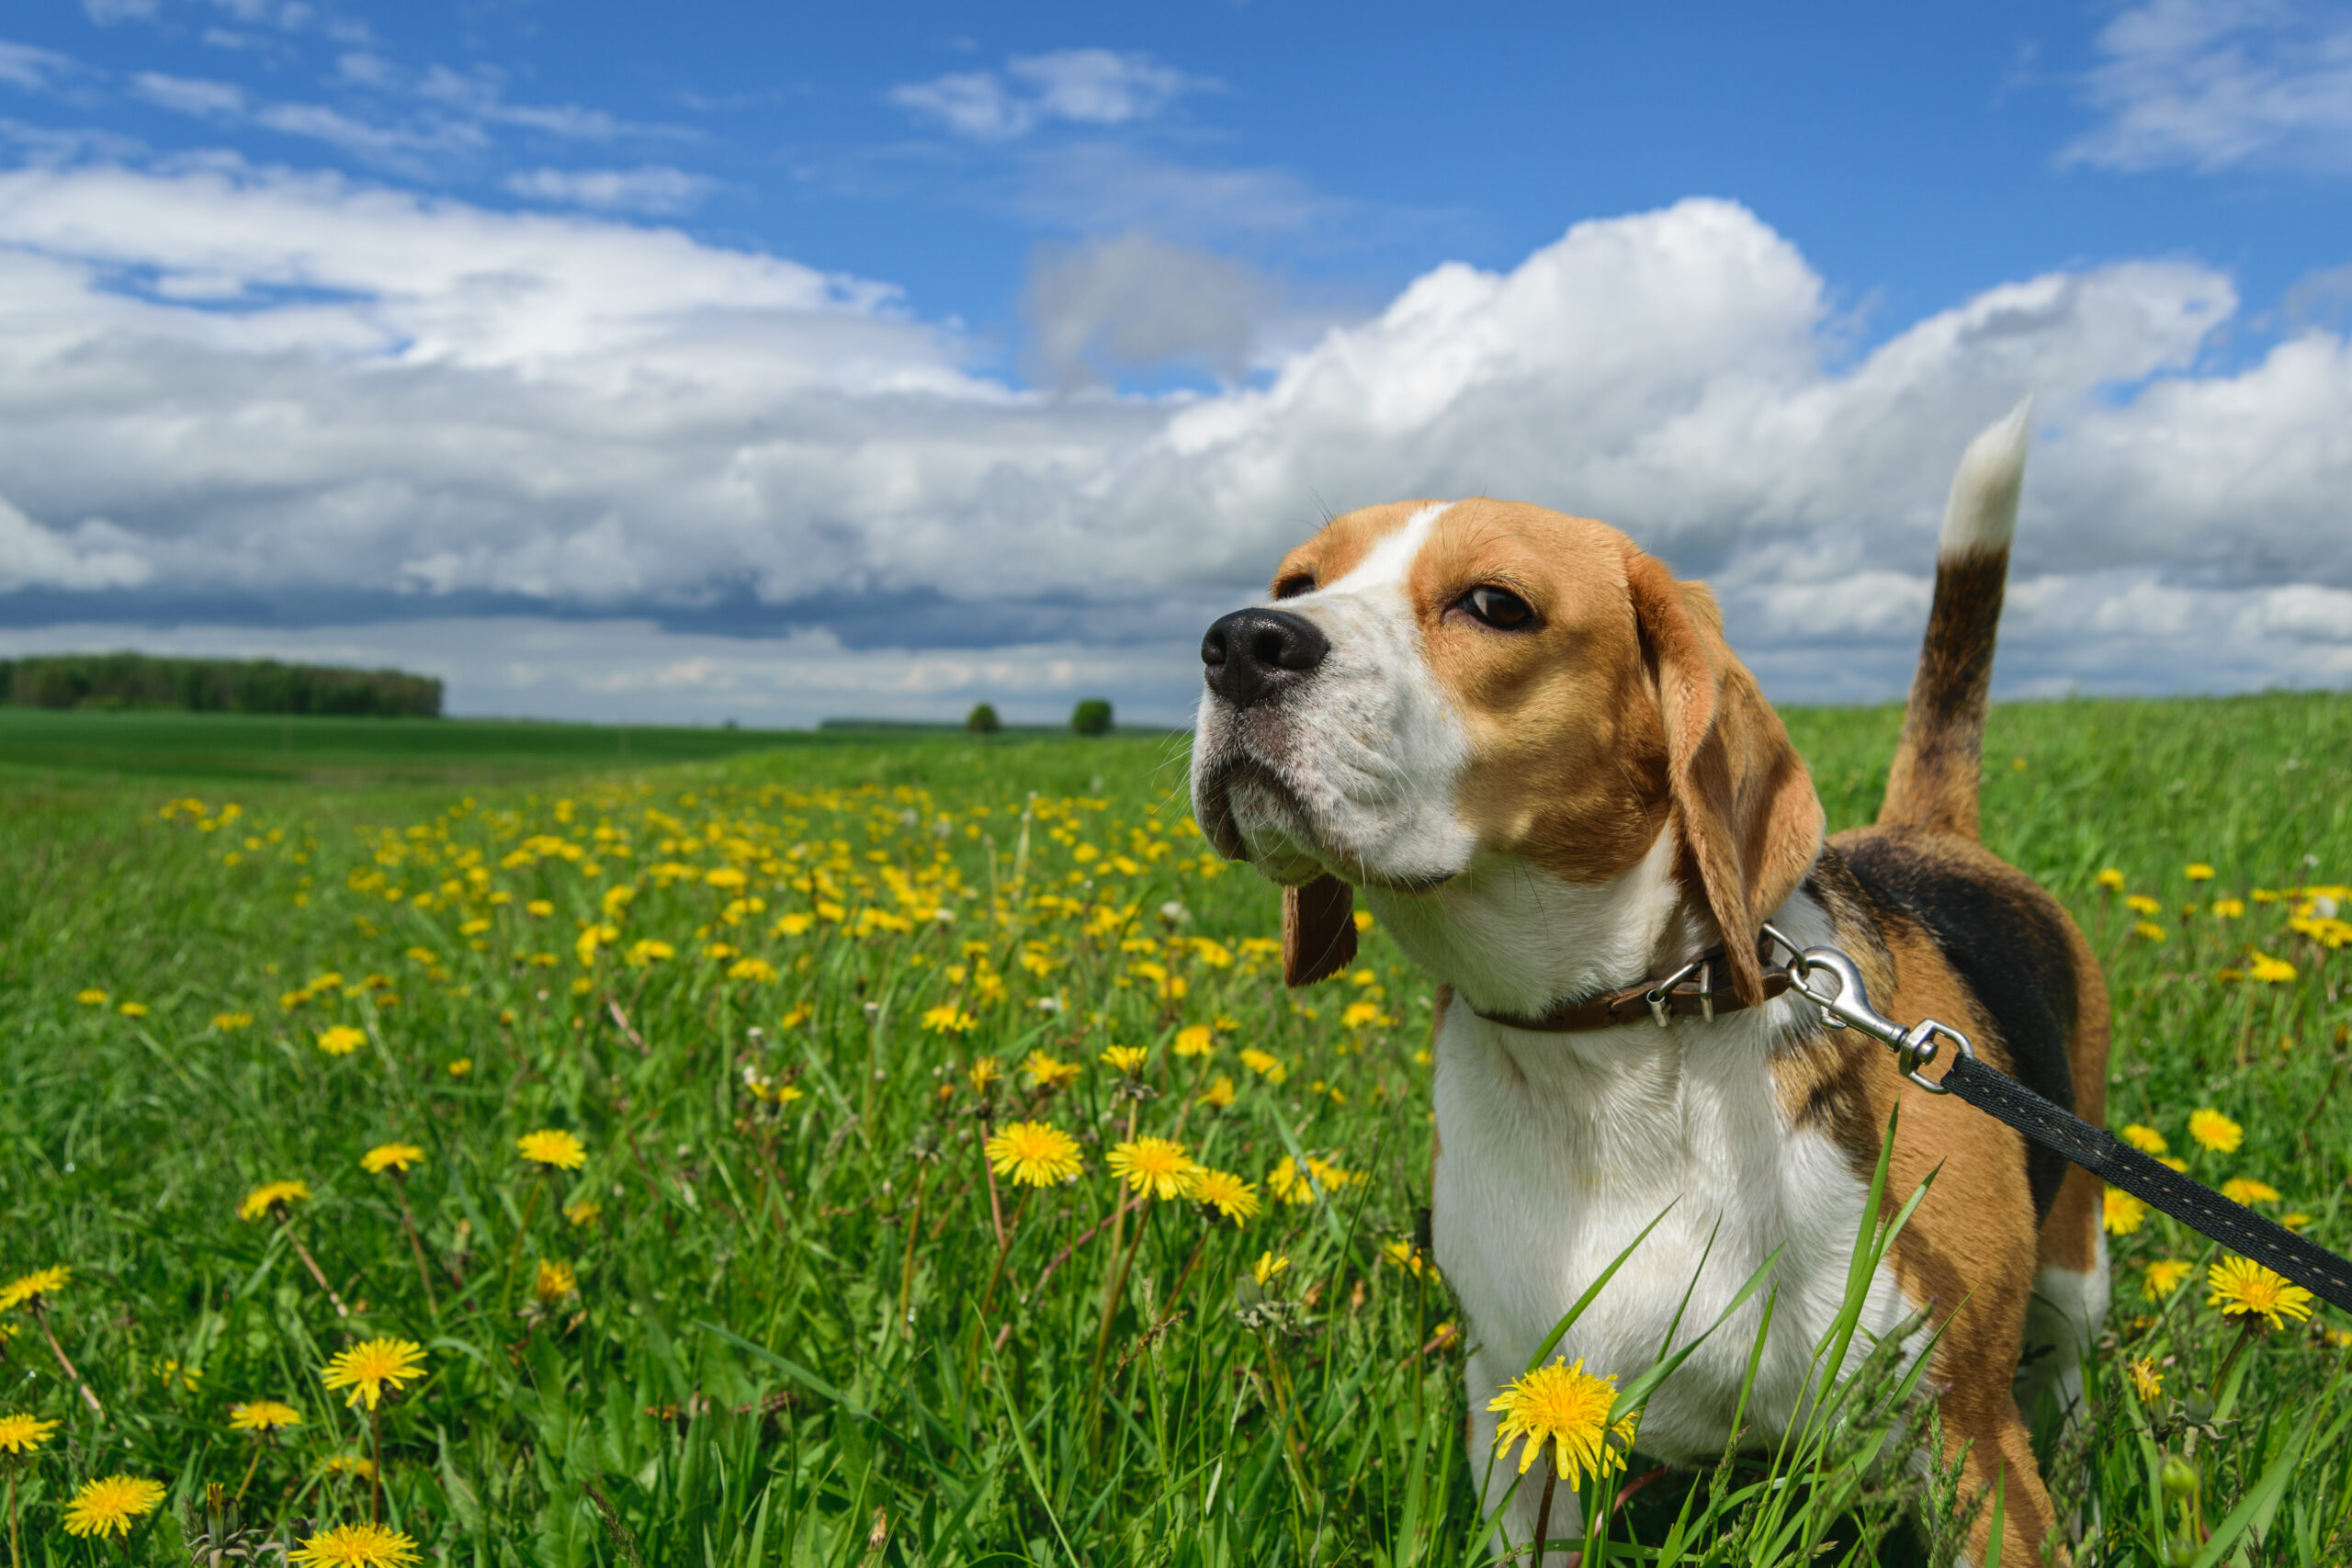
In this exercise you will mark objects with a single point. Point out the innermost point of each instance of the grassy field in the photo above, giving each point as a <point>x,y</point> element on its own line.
<point>781,1310</point>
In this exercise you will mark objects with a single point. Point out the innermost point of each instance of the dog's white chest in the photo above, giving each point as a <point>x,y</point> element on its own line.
<point>1557,1149</point>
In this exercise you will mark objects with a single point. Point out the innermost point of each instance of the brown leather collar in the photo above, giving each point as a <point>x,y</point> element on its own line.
<point>1691,991</point>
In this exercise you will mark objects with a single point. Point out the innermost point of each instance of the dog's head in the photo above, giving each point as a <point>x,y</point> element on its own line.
<point>1433,684</point>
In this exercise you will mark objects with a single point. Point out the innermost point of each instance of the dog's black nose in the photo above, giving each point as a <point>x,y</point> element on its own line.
<point>1252,654</point>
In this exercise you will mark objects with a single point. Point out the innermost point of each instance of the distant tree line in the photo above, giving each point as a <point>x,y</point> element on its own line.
<point>215,685</point>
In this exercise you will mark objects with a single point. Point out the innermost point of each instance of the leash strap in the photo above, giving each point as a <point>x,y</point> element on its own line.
<point>2159,1186</point>
<point>2194,1204</point>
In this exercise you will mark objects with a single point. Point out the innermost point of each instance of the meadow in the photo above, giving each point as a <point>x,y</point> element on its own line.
<point>504,1157</point>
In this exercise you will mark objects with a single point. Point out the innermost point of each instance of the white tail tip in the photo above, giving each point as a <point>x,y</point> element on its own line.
<point>1983,511</point>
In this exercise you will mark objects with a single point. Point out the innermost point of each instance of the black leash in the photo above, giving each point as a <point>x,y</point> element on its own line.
<point>2097,1150</point>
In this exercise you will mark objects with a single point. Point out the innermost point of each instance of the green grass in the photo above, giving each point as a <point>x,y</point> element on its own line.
<point>789,1340</point>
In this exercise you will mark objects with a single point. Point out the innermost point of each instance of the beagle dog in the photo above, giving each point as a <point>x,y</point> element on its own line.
<point>1533,752</point>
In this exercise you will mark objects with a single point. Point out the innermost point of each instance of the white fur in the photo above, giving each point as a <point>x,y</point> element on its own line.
<point>1982,512</point>
<point>1558,1149</point>
<point>1368,750</point>
<point>1512,938</point>
<point>2062,1321</point>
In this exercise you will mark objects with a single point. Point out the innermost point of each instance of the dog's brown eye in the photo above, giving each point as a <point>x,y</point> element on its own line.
<point>1292,587</point>
<point>1498,607</point>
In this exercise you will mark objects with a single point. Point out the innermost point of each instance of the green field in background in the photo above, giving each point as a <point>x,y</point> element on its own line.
<point>790,1336</point>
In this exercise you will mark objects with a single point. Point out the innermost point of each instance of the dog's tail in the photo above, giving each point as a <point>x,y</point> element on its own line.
<point>1933,782</point>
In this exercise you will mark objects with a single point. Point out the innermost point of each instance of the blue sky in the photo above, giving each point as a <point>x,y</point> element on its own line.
<point>624,361</point>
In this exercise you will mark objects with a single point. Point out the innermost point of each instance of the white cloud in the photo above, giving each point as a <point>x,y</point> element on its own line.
<point>33,68</point>
<point>1135,301</point>
<point>96,555</point>
<point>651,188</point>
<point>191,95</point>
<point>1081,86</point>
<point>286,391</point>
<point>106,13</point>
<point>2209,84</point>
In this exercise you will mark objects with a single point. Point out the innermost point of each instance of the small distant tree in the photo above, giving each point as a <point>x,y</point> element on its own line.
<point>1091,716</point>
<point>982,719</point>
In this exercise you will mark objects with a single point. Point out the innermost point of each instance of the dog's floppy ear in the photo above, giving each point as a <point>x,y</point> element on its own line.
<point>1743,803</point>
<point>1318,931</point>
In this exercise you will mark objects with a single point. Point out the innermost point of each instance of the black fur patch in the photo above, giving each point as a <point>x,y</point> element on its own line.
<point>2006,943</point>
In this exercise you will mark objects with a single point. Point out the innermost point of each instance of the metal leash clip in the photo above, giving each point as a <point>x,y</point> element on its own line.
<point>1847,1005</point>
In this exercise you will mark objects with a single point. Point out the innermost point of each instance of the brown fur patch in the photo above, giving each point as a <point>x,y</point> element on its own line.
<point>1970,1251</point>
<point>1932,782</point>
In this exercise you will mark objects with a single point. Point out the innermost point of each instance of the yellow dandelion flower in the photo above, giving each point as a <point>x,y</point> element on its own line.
<point>2199,871</point>
<point>2147,1140</point>
<point>1296,1182</point>
<point>2112,879</point>
<point>1233,1198</point>
<point>263,1416</point>
<point>390,1157</point>
<point>461,1067</point>
<point>228,1023</point>
<point>355,1546</point>
<point>1265,1065</point>
<point>552,1148</point>
<point>33,1286</point>
<point>2147,1379</point>
<point>367,1368</point>
<point>2243,1287</point>
<point>1269,1264</point>
<point>2149,930</point>
<point>2295,1222</point>
<point>272,1195</point>
<point>982,1074</point>
<point>2141,904</point>
<point>2172,1162</point>
<point>949,1018</point>
<point>2228,908</point>
<point>1127,1059</point>
<point>1411,1259</point>
<point>2213,1130</point>
<point>93,997</point>
<point>1196,1041</point>
<point>1033,1154</point>
<point>342,1039</point>
<point>110,1506</point>
<point>1564,1406</point>
<point>583,1214</point>
<point>22,1435</point>
<point>348,1465</point>
<point>1219,1094</point>
<point>2163,1278</point>
<point>1045,1072</point>
<point>1158,1168</point>
<point>2124,1213</point>
<point>554,1282</point>
<point>2247,1190</point>
<point>132,1010</point>
<point>2268,971</point>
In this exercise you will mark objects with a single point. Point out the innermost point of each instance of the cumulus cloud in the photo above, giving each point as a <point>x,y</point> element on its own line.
<point>2209,84</point>
<point>96,555</point>
<point>283,392</point>
<point>1133,301</point>
<point>1080,86</point>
